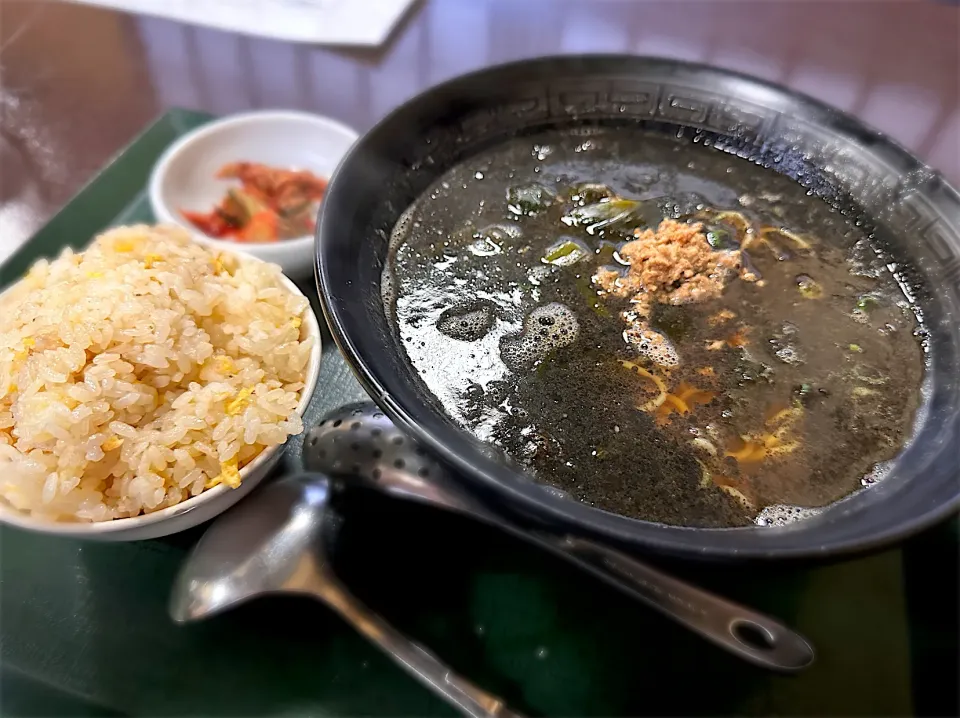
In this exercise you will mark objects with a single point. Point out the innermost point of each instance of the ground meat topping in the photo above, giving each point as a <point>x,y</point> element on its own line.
<point>673,264</point>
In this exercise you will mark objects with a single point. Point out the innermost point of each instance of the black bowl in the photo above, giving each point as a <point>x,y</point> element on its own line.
<point>910,206</point>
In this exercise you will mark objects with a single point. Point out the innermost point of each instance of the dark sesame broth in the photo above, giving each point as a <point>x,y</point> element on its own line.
<point>776,371</point>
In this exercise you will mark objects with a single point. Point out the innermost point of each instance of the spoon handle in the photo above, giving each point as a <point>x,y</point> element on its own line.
<point>738,629</point>
<point>412,657</point>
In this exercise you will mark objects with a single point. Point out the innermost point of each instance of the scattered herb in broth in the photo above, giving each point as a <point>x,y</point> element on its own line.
<point>658,328</point>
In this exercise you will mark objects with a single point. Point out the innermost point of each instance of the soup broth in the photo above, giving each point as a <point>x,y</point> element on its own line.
<point>657,328</point>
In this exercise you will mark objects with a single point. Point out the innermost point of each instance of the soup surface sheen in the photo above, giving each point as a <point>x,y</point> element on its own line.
<point>658,328</point>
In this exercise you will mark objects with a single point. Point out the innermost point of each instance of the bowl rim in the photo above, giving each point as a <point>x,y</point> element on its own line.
<point>161,168</point>
<point>14,517</point>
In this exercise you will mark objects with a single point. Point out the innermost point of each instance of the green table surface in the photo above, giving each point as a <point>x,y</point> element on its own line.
<point>84,629</point>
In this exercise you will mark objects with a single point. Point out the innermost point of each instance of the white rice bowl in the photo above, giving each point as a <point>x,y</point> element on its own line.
<point>143,372</point>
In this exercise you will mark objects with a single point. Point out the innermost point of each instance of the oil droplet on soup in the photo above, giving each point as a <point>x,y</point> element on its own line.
<point>656,329</point>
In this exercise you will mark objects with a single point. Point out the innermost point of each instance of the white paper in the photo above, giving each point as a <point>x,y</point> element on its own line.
<point>333,22</point>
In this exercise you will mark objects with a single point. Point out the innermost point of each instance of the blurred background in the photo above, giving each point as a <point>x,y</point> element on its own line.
<point>79,81</point>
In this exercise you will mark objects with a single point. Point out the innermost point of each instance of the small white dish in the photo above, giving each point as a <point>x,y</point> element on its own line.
<point>185,175</point>
<point>195,510</point>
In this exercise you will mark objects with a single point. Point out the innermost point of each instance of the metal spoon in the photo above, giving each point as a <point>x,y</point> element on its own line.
<point>360,442</point>
<point>275,543</point>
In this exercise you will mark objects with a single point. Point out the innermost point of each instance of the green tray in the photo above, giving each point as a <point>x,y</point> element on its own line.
<point>84,629</point>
